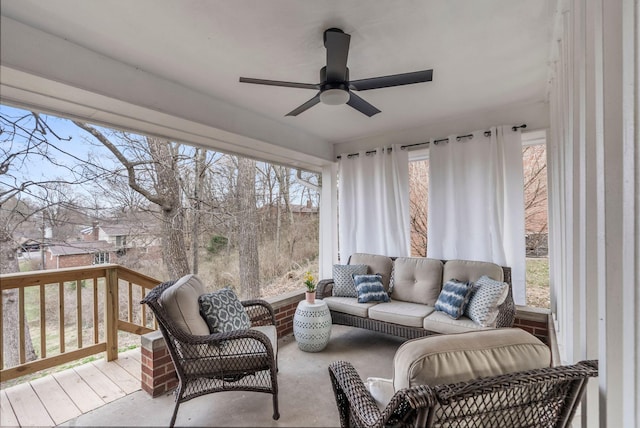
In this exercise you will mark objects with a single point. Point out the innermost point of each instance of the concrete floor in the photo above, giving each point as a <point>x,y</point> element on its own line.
<point>305,393</point>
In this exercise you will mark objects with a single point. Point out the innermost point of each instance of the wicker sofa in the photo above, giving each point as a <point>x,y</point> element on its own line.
<point>415,284</point>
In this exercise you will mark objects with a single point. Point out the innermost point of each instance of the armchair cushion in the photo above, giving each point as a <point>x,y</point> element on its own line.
<point>223,311</point>
<point>180,301</point>
<point>452,358</point>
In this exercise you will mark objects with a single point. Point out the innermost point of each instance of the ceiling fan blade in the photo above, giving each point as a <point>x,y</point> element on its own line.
<point>394,80</point>
<point>306,106</point>
<point>337,44</point>
<point>279,83</point>
<point>361,105</point>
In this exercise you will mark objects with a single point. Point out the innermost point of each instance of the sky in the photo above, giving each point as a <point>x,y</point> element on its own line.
<point>73,143</point>
<point>35,168</point>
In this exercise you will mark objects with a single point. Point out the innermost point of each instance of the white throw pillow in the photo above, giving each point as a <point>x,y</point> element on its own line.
<point>381,390</point>
<point>483,306</point>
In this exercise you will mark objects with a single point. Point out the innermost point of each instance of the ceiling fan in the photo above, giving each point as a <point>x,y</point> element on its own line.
<point>335,88</point>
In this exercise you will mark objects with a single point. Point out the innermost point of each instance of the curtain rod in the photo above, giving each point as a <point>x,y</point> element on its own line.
<point>436,142</point>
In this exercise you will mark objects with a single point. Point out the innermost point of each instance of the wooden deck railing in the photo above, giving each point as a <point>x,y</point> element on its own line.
<point>106,299</point>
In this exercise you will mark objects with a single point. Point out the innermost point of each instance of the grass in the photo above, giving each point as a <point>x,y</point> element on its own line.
<point>538,282</point>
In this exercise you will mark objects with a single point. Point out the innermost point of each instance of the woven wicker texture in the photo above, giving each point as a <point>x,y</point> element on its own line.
<point>241,360</point>
<point>536,398</point>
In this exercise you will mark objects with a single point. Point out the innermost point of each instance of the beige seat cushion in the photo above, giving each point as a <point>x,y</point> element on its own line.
<point>349,305</point>
<point>403,313</point>
<point>417,280</point>
<point>442,323</point>
<point>181,303</point>
<point>377,264</point>
<point>461,357</point>
<point>465,270</point>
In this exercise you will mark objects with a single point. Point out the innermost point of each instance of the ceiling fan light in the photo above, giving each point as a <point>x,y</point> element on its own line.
<point>334,97</point>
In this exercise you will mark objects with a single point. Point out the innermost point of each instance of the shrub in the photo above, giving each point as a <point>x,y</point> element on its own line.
<point>216,243</point>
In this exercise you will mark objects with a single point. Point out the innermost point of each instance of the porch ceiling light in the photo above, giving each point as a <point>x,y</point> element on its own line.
<point>334,97</point>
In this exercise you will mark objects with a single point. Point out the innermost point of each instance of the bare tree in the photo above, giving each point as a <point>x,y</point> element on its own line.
<point>535,188</point>
<point>535,198</point>
<point>418,202</point>
<point>23,137</point>
<point>156,178</point>
<point>247,229</point>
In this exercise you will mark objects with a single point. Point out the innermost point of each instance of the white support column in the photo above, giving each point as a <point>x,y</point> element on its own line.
<point>630,86</point>
<point>593,139</point>
<point>619,265</point>
<point>594,173</point>
<point>328,221</point>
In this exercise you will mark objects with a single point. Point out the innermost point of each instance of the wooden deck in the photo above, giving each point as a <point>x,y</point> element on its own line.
<point>58,397</point>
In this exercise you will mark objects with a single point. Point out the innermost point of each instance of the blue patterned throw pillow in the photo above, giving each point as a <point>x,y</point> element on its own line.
<point>453,298</point>
<point>370,289</point>
<point>483,304</point>
<point>223,311</point>
<point>343,285</point>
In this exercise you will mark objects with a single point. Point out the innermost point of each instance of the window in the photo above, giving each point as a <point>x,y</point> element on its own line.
<point>101,257</point>
<point>121,241</point>
<point>534,160</point>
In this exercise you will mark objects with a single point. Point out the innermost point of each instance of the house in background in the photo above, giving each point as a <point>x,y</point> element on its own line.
<point>79,253</point>
<point>123,235</point>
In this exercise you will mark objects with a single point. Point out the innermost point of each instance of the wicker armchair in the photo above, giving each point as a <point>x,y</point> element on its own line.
<point>506,396</point>
<point>242,360</point>
<point>536,398</point>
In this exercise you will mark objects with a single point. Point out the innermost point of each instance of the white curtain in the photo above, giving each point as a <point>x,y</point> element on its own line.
<point>476,201</point>
<point>374,203</point>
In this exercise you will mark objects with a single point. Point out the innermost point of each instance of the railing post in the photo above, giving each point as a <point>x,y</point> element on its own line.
<point>111,313</point>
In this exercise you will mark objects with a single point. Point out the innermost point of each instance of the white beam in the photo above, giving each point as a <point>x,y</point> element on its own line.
<point>36,66</point>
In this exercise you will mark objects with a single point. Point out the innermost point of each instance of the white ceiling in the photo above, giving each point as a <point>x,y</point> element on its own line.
<point>486,55</point>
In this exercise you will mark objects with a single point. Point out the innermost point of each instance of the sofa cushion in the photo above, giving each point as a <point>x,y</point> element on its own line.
<point>343,285</point>
<point>487,296</point>
<point>439,322</point>
<point>444,359</point>
<point>465,270</point>
<point>417,280</point>
<point>223,311</point>
<point>370,289</point>
<point>376,264</point>
<point>403,313</point>
<point>349,305</point>
<point>181,303</point>
<point>454,298</point>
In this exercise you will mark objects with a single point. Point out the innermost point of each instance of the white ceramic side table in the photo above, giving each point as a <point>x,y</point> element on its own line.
<point>312,326</point>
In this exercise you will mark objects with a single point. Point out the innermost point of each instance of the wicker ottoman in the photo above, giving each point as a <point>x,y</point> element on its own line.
<point>312,326</point>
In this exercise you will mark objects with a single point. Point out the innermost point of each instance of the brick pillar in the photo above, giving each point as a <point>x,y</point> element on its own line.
<point>158,373</point>
<point>534,321</point>
<point>284,318</point>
